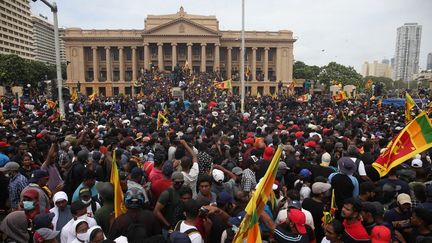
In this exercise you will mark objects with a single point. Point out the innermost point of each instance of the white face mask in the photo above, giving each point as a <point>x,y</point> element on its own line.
<point>82,236</point>
<point>86,202</point>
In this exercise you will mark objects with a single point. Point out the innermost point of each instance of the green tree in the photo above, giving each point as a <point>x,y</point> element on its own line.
<point>12,69</point>
<point>340,73</point>
<point>303,71</point>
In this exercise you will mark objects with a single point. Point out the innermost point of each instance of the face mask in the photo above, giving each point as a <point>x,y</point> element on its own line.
<point>81,236</point>
<point>28,205</point>
<point>86,202</point>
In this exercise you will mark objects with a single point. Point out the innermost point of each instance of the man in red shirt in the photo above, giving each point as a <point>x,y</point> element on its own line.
<point>161,185</point>
<point>354,230</point>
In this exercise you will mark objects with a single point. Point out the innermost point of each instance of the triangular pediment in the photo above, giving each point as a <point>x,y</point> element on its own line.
<point>182,26</point>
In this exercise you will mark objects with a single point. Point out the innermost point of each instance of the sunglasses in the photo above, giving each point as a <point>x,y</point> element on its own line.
<point>178,182</point>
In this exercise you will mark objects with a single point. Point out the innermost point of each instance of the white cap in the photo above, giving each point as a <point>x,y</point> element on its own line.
<point>326,158</point>
<point>417,163</point>
<point>218,175</point>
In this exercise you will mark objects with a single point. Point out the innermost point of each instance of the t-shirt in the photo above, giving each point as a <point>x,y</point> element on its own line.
<point>170,199</point>
<point>399,221</point>
<point>316,209</point>
<point>343,188</point>
<point>283,233</point>
<point>355,232</point>
<point>396,182</point>
<point>194,237</point>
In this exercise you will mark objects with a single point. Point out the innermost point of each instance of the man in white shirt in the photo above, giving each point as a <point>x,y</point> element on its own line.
<point>191,209</point>
<point>79,211</point>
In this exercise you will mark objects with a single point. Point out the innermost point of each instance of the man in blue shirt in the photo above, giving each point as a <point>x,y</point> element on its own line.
<point>3,157</point>
<point>17,183</point>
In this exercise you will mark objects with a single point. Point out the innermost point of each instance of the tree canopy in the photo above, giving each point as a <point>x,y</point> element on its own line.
<point>340,73</point>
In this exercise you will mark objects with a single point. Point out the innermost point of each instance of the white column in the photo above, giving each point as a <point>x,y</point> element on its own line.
<point>216,63</point>
<point>229,62</point>
<point>95,64</point>
<point>134,63</point>
<point>174,55</point>
<point>108,63</point>
<point>160,56</point>
<point>121,63</point>
<point>266,50</point>
<point>189,54</point>
<point>203,57</point>
<point>254,49</point>
<point>146,56</point>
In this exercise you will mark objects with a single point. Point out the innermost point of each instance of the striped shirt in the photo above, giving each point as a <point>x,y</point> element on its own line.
<point>16,185</point>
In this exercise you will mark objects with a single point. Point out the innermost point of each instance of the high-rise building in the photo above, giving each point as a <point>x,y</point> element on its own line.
<point>385,61</point>
<point>407,51</point>
<point>429,62</point>
<point>43,36</point>
<point>62,45</point>
<point>377,69</point>
<point>16,32</point>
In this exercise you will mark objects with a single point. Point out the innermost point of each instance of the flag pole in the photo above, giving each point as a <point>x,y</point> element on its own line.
<point>242,61</point>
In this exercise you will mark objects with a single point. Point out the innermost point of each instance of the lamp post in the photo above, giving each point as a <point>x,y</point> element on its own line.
<point>54,10</point>
<point>242,60</point>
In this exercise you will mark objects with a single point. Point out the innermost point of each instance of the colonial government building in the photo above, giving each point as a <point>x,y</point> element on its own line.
<point>108,61</point>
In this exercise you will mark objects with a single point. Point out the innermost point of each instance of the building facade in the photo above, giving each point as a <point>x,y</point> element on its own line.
<point>43,37</point>
<point>16,32</point>
<point>107,61</point>
<point>377,69</point>
<point>407,51</point>
<point>429,62</point>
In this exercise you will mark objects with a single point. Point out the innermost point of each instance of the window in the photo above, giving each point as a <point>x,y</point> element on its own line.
<point>89,90</point>
<point>128,91</point>
<point>102,91</point>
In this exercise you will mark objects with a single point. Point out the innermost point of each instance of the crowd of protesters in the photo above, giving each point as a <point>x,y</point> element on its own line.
<point>190,177</point>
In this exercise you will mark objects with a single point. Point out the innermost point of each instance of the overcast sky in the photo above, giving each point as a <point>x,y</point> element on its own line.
<point>349,32</point>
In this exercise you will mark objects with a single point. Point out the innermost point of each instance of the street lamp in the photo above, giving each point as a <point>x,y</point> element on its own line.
<point>242,60</point>
<point>54,10</point>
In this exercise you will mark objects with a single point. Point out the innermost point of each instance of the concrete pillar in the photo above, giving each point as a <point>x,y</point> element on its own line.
<point>146,56</point>
<point>174,55</point>
<point>189,54</point>
<point>254,49</point>
<point>121,63</point>
<point>95,64</point>
<point>266,63</point>
<point>203,57</point>
<point>229,63</point>
<point>216,64</point>
<point>134,63</point>
<point>108,63</point>
<point>160,56</point>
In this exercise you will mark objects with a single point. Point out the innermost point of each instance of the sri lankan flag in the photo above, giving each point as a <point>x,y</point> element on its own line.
<point>119,207</point>
<point>415,138</point>
<point>249,227</point>
<point>92,97</point>
<point>51,104</point>
<point>74,96</point>
<point>161,119</point>
<point>368,84</point>
<point>223,85</point>
<point>409,104</point>
<point>304,98</point>
<point>340,96</point>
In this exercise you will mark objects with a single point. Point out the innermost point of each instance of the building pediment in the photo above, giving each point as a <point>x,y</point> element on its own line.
<point>182,26</point>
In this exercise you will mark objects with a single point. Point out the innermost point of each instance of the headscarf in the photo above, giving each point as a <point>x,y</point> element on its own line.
<point>15,226</point>
<point>75,225</point>
<point>89,232</point>
<point>58,215</point>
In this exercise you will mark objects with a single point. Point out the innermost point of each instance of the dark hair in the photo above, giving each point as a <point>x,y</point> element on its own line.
<point>293,194</point>
<point>94,233</point>
<point>179,152</point>
<point>159,157</point>
<point>191,208</point>
<point>367,186</point>
<point>357,205</point>
<point>186,162</point>
<point>88,174</point>
<point>424,215</point>
<point>204,178</point>
<point>337,227</point>
<point>185,190</point>
<point>75,206</point>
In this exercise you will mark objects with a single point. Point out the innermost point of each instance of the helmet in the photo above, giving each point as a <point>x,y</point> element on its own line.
<point>134,198</point>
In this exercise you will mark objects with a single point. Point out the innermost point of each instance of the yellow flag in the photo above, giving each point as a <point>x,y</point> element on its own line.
<point>119,207</point>
<point>409,104</point>
<point>51,104</point>
<point>74,96</point>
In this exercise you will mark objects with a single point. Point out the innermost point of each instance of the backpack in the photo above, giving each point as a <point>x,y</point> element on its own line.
<point>176,235</point>
<point>136,232</point>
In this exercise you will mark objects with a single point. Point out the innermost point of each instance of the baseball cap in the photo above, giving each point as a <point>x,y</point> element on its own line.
<point>249,141</point>
<point>37,175</point>
<point>85,191</point>
<point>380,234</point>
<point>218,175</point>
<point>346,165</point>
<point>4,144</point>
<point>298,134</point>
<point>404,198</point>
<point>268,153</point>
<point>325,159</point>
<point>10,166</point>
<point>283,166</point>
<point>299,219</point>
<point>305,173</point>
<point>320,187</point>
<point>177,176</point>
<point>294,204</point>
<point>237,219</point>
<point>237,171</point>
<point>417,163</point>
<point>44,234</point>
<point>224,198</point>
<point>43,220</point>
